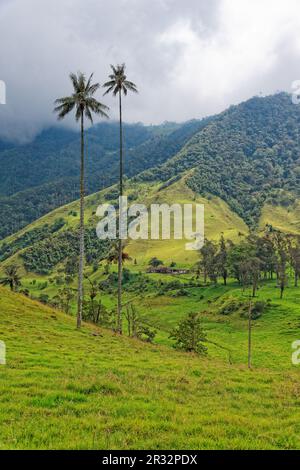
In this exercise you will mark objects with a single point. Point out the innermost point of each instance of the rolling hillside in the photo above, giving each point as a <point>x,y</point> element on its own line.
<point>89,389</point>
<point>218,219</point>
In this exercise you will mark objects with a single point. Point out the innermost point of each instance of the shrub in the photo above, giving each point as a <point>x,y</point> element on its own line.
<point>189,335</point>
<point>230,306</point>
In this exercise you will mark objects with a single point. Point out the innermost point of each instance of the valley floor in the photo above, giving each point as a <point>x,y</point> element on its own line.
<point>90,389</point>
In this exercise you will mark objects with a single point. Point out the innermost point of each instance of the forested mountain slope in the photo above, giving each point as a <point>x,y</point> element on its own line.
<point>40,176</point>
<point>248,155</point>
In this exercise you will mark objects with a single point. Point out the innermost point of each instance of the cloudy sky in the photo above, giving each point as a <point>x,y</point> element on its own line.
<point>189,58</point>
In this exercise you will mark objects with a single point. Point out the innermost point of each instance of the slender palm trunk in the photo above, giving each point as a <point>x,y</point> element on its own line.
<point>119,309</point>
<point>249,333</point>
<point>81,230</point>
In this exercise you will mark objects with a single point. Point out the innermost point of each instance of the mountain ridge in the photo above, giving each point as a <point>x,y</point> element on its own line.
<point>246,155</point>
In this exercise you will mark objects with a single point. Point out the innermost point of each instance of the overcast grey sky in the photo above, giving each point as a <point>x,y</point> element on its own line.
<point>189,58</point>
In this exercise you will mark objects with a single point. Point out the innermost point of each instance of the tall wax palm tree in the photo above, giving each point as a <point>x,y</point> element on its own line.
<point>84,104</point>
<point>117,85</point>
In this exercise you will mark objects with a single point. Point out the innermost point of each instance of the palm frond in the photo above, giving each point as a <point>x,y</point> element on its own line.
<point>81,82</point>
<point>74,80</point>
<point>91,90</point>
<point>64,109</point>
<point>109,90</point>
<point>64,100</point>
<point>131,86</point>
<point>109,84</point>
<point>97,107</point>
<point>87,86</point>
<point>94,104</point>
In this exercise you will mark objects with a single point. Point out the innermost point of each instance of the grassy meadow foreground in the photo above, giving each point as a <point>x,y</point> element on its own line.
<point>90,389</point>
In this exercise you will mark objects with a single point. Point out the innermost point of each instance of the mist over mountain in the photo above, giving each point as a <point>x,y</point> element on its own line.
<point>190,58</point>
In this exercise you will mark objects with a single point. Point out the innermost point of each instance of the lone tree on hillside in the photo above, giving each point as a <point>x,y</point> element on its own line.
<point>117,84</point>
<point>12,277</point>
<point>83,102</point>
<point>155,262</point>
<point>189,335</point>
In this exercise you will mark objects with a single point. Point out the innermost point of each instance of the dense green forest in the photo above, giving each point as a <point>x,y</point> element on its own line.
<point>247,155</point>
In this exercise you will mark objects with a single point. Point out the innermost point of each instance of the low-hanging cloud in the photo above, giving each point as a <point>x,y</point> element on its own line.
<point>189,58</point>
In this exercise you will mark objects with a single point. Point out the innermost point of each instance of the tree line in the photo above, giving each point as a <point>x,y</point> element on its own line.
<point>273,255</point>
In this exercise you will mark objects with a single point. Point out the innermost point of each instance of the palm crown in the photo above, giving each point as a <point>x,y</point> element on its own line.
<point>82,99</point>
<point>118,81</point>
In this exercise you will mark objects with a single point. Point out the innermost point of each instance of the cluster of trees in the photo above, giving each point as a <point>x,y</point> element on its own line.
<point>63,247</point>
<point>22,208</point>
<point>29,238</point>
<point>254,258</point>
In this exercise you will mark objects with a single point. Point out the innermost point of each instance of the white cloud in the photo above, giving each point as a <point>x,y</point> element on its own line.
<point>189,59</point>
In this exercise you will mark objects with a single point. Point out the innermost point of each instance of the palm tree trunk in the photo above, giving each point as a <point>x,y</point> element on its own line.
<point>81,230</point>
<point>249,333</point>
<point>119,309</point>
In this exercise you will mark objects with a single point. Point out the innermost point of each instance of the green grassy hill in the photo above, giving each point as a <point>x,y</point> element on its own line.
<point>89,389</point>
<point>218,218</point>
